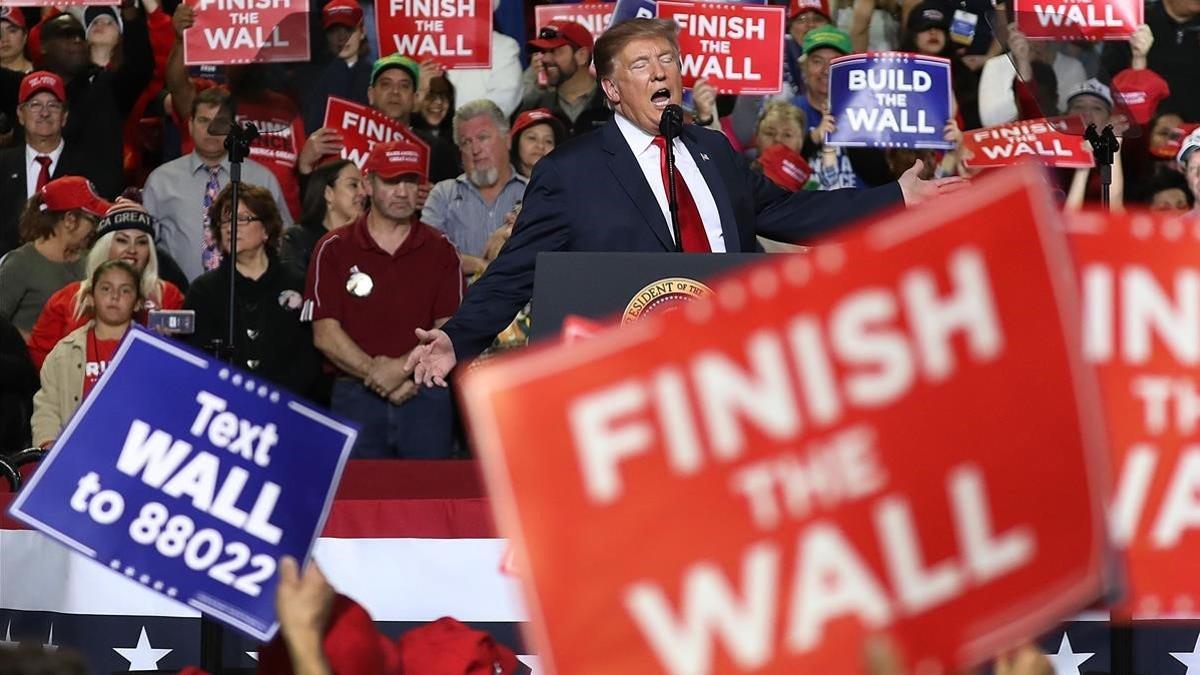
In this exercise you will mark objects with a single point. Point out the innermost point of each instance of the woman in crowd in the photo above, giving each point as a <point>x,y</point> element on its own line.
<point>269,338</point>
<point>535,133</point>
<point>334,197</point>
<point>112,295</point>
<point>56,225</point>
<point>927,32</point>
<point>13,36</point>
<point>103,27</point>
<point>781,124</point>
<point>437,108</point>
<point>125,233</point>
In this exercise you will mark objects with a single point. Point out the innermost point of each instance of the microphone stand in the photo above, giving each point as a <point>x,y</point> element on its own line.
<point>670,126</point>
<point>237,143</point>
<point>1104,147</point>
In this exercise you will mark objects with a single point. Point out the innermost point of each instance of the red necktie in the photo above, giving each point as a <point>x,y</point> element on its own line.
<point>44,174</point>
<point>691,227</point>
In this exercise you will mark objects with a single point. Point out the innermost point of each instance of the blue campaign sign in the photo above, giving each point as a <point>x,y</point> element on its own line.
<point>191,477</point>
<point>648,9</point>
<point>890,100</point>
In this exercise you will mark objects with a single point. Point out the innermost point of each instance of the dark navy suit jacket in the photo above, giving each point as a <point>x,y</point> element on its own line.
<point>591,195</point>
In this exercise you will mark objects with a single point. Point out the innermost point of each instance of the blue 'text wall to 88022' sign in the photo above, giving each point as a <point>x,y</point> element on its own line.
<point>192,478</point>
<point>890,100</point>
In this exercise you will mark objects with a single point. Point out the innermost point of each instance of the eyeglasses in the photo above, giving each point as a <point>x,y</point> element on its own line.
<point>551,33</point>
<point>36,107</point>
<point>242,220</point>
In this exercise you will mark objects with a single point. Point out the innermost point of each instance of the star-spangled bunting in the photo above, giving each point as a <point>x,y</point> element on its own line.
<point>1066,661</point>
<point>8,641</point>
<point>1190,659</point>
<point>143,656</point>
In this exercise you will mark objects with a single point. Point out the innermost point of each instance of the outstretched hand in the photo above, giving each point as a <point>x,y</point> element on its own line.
<point>433,359</point>
<point>916,190</point>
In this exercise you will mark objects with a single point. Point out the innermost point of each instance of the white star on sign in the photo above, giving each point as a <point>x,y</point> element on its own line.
<point>1190,659</point>
<point>143,656</point>
<point>1066,661</point>
<point>533,662</point>
<point>253,655</point>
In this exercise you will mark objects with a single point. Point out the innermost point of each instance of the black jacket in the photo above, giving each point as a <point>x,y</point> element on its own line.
<point>99,100</point>
<point>593,116</point>
<point>1175,56</point>
<point>269,337</point>
<point>13,175</point>
<point>18,383</point>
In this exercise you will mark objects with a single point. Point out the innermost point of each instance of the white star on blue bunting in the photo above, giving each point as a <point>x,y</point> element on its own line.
<point>143,656</point>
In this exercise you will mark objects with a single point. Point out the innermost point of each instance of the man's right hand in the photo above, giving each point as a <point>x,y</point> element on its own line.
<point>433,359</point>
<point>321,143</point>
<point>183,18</point>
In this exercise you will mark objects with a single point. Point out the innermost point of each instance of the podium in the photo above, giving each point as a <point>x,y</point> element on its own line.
<point>608,286</point>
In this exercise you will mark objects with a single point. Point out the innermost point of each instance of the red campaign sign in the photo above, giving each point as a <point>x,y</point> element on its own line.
<point>736,47</point>
<point>1078,19</point>
<point>362,127</point>
<point>896,433</point>
<point>1140,289</point>
<point>247,31</point>
<point>455,33</point>
<point>1044,141</point>
<point>594,16</point>
<point>60,3</point>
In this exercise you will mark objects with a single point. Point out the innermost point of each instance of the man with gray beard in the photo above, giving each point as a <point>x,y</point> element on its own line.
<point>472,206</point>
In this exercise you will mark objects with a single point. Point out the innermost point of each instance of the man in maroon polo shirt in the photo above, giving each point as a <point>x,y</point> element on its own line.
<point>370,284</point>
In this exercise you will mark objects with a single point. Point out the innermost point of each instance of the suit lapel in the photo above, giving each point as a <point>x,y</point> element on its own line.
<point>716,185</point>
<point>628,173</point>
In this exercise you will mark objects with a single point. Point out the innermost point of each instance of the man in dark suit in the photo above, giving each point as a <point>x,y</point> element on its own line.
<point>605,192</point>
<point>42,113</point>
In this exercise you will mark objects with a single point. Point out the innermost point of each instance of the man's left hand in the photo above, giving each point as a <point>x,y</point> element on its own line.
<point>386,375</point>
<point>916,191</point>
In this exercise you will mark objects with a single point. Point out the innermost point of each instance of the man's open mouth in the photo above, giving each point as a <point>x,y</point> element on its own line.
<point>661,98</point>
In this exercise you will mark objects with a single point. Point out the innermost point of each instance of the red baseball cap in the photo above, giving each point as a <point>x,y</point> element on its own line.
<point>14,16</point>
<point>39,81</point>
<point>538,116</point>
<point>341,13</point>
<point>398,158</point>
<point>798,7</point>
<point>562,32</point>
<point>73,192</point>
<point>449,646</point>
<point>785,167</point>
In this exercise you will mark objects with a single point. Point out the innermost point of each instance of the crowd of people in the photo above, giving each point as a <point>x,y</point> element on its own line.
<point>116,203</point>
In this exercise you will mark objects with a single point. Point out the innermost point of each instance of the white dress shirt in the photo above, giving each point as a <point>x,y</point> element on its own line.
<point>33,168</point>
<point>649,159</point>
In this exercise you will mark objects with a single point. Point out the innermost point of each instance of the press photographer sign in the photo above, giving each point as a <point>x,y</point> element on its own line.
<point>1078,19</point>
<point>247,31</point>
<point>192,478</point>
<point>897,433</point>
<point>454,33</point>
<point>890,100</point>
<point>736,47</point>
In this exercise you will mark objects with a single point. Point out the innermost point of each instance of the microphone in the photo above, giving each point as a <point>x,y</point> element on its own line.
<point>670,125</point>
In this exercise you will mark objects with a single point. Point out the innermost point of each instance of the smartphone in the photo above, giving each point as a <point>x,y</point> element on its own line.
<point>173,320</point>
